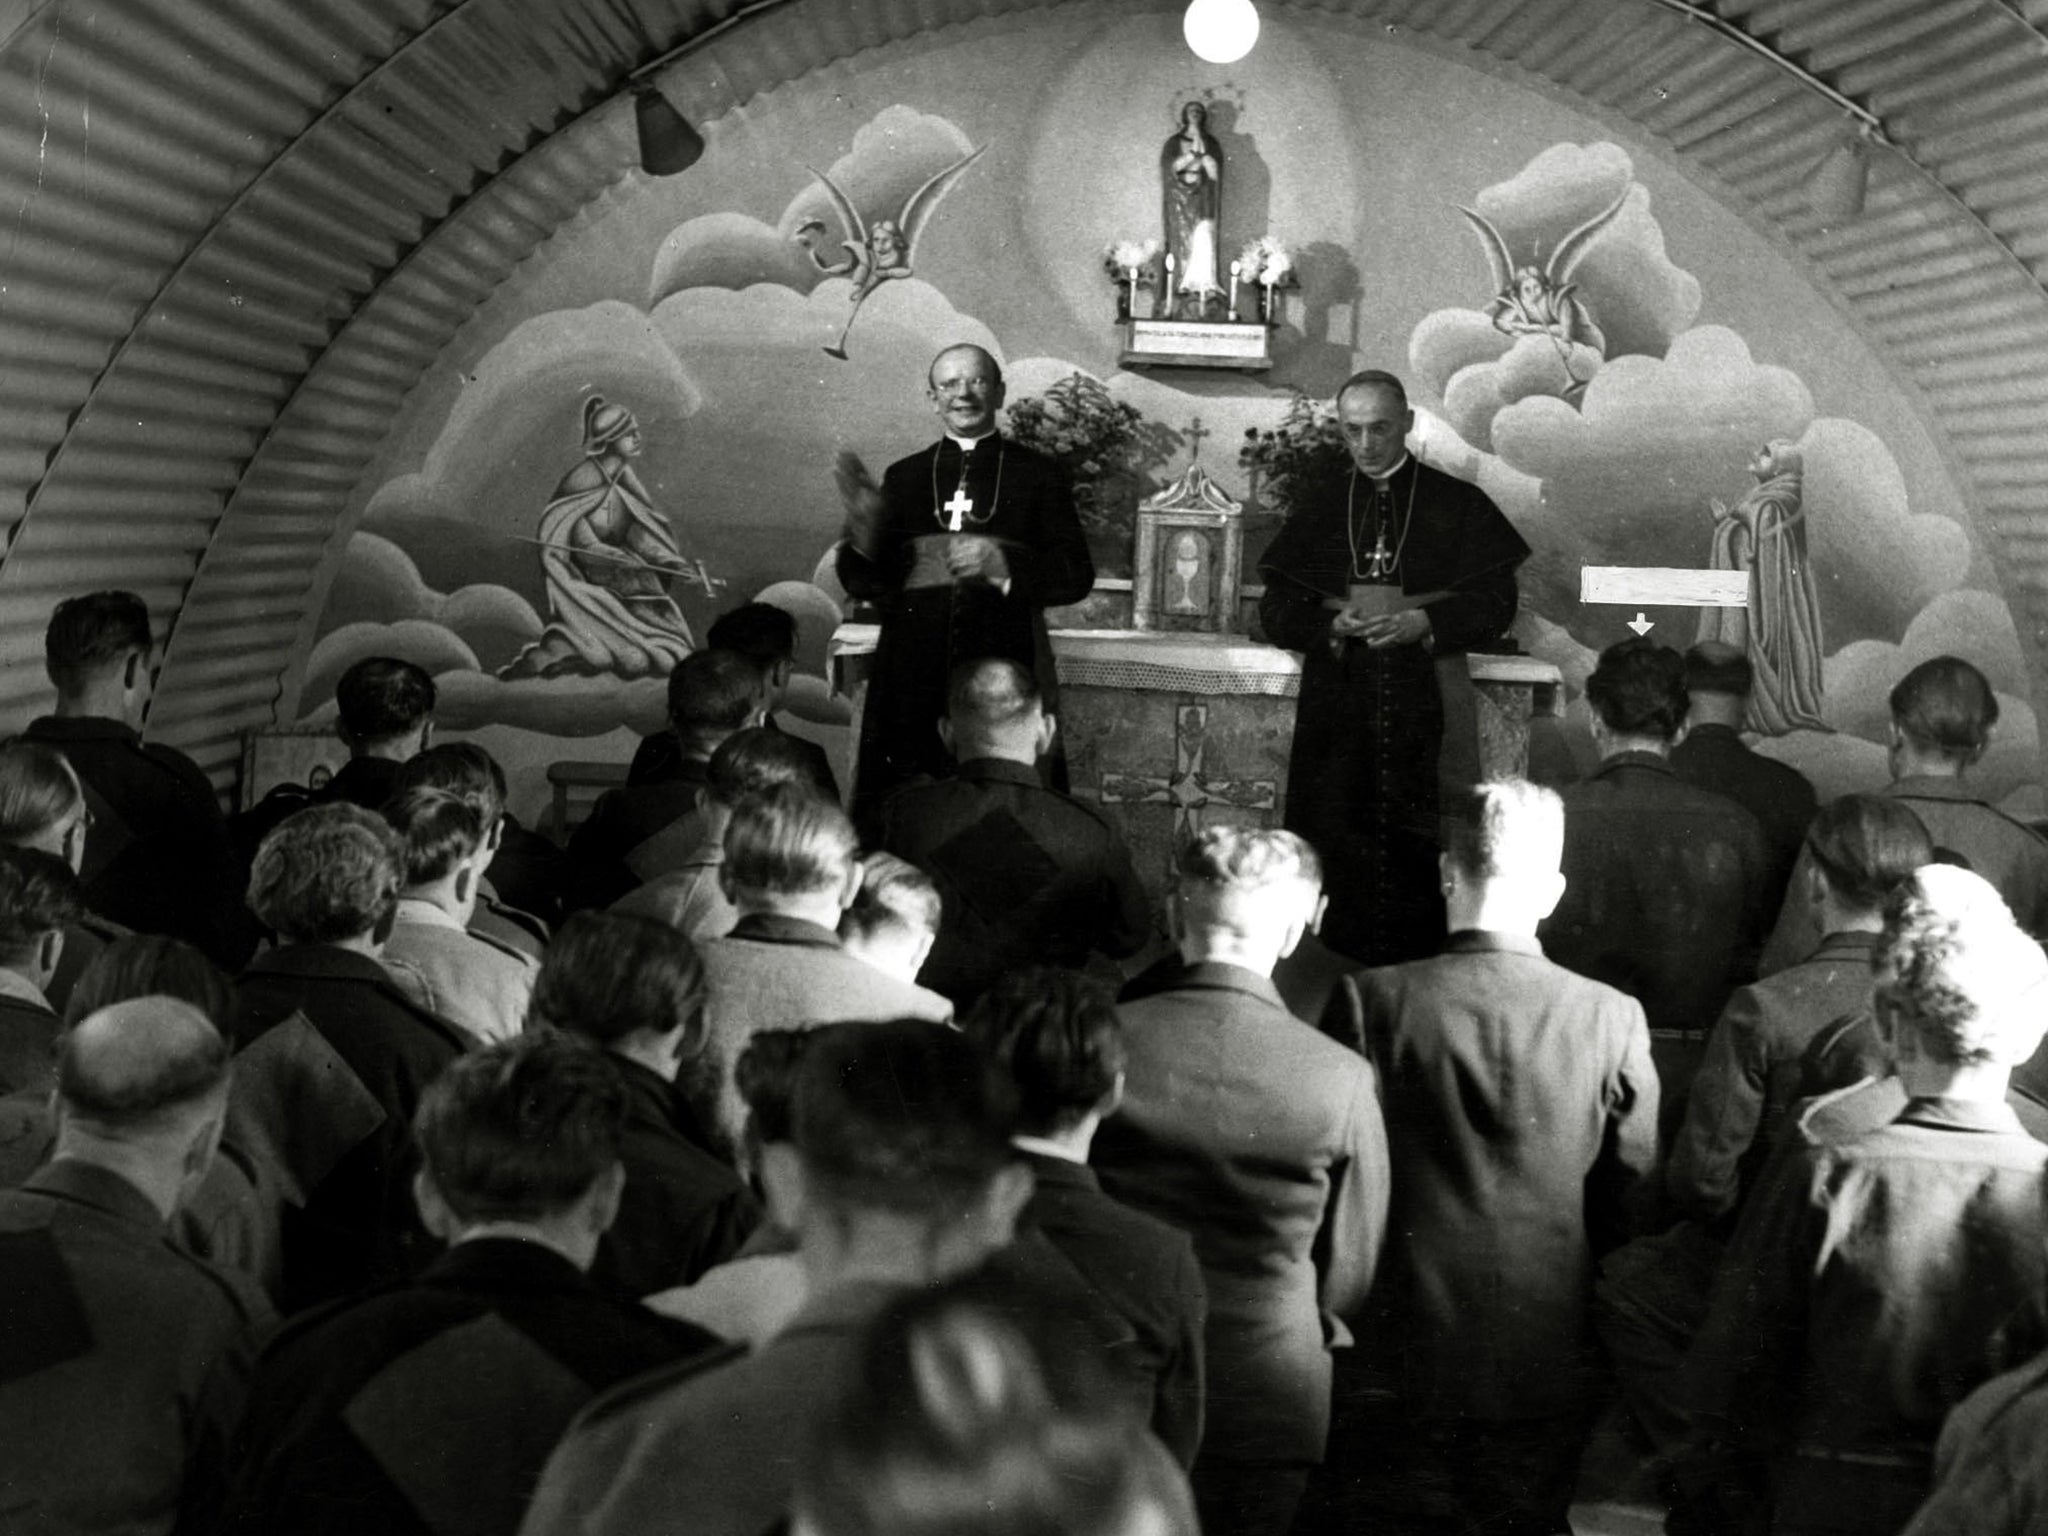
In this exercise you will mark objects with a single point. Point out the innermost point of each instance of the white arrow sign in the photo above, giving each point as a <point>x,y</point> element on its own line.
<point>1641,625</point>
<point>1663,587</point>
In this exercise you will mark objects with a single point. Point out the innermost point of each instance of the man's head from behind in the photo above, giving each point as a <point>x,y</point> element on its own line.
<point>384,708</point>
<point>42,804</point>
<point>629,984</point>
<point>97,652</point>
<point>789,852</point>
<point>1502,863</point>
<point>758,759</point>
<point>39,899</point>
<point>461,768</point>
<point>1055,1035</point>
<point>445,847</point>
<point>993,709</point>
<point>524,1134</point>
<point>711,694</point>
<point>894,917</point>
<point>1863,847</point>
<point>142,1089</point>
<point>901,1153</point>
<point>330,874</point>
<point>1957,982</point>
<point>1942,715</point>
<point>1718,680</point>
<point>1638,697</point>
<point>1245,896</point>
<point>764,634</point>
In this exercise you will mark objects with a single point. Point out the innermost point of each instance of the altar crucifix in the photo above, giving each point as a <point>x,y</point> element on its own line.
<point>1189,789</point>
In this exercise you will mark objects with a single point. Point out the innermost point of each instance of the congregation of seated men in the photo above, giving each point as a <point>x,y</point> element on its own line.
<point>370,1162</point>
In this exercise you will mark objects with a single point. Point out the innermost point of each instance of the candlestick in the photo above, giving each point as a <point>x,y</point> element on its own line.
<point>1134,291</point>
<point>1236,270</point>
<point>1270,320</point>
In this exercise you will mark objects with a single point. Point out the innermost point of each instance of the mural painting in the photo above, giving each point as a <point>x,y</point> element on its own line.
<point>1632,374</point>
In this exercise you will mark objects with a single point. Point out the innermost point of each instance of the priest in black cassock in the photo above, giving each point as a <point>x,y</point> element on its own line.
<point>1384,567</point>
<point>963,546</point>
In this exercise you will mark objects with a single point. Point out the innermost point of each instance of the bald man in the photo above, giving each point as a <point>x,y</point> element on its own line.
<point>123,1359</point>
<point>1026,875</point>
<point>962,546</point>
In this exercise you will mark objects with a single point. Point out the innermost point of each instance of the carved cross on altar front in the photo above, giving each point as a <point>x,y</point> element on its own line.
<point>1188,790</point>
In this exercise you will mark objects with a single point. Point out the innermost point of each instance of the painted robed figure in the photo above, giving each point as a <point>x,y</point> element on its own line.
<point>963,545</point>
<point>609,556</point>
<point>1384,568</point>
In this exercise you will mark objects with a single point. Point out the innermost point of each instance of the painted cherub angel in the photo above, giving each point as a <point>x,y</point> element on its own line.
<point>880,252</point>
<point>1543,301</point>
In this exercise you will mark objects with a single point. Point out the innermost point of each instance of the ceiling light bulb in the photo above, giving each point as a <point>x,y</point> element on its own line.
<point>1221,31</point>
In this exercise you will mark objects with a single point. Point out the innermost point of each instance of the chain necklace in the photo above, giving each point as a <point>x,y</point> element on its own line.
<point>960,492</point>
<point>1382,566</point>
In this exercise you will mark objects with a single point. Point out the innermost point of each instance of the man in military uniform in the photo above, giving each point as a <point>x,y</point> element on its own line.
<point>123,1359</point>
<point>431,1407</point>
<point>1027,875</point>
<point>157,857</point>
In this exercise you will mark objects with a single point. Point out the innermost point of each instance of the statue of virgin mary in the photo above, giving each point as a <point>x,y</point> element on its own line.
<point>1191,174</point>
<point>609,556</point>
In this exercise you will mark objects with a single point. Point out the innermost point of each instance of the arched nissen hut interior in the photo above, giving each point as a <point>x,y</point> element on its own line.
<point>518,341</point>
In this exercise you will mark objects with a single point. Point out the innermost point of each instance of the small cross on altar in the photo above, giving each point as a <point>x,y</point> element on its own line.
<point>1188,789</point>
<point>957,510</point>
<point>1194,434</point>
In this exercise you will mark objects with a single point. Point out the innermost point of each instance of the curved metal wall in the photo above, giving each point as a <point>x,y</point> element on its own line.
<point>237,232</point>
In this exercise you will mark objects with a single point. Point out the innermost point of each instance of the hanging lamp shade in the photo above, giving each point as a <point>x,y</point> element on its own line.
<point>1221,31</point>
<point>668,144</point>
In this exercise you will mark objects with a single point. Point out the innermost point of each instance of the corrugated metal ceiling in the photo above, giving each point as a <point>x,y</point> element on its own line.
<point>241,230</point>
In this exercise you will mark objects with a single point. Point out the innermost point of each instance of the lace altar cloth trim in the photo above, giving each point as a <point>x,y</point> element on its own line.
<point>1166,677</point>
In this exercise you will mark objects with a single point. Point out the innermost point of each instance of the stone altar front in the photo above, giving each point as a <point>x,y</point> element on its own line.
<point>1170,732</point>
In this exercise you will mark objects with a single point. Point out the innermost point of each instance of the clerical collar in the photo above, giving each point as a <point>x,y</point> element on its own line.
<point>1381,482</point>
<point>966,444</point>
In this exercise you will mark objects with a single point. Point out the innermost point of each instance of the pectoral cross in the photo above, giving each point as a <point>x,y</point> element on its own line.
<point>957,509</point>
<point>1379,565</point>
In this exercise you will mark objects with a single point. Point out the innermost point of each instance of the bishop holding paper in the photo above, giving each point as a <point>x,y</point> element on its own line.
<point>962,546</point>
<point>1384,568</point>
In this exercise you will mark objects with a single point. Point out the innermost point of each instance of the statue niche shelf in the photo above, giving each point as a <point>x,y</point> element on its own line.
<point>1227,344</point>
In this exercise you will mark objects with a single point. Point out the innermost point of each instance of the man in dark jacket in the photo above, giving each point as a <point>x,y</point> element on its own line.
<point>334,1055</point>
<point>1263,1141</point>
<point>157,856</point>
<point>1664,883</point>
<point>1713,755</point>
<point>637,832</point>
<point>430,1407</point>
<point>1521,1109</point>
<point>123,1359</point>
<point>636,988</point>
<point>1057,1037</point>
<point>1026,875</point>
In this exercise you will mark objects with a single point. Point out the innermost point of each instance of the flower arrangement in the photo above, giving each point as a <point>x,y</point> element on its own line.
<point>1266,262</point>
<point>1130,261</point>
<point>1307,446</point>
<point>1078,422</point>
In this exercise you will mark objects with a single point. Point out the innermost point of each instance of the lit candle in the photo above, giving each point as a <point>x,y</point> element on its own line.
<point>1236,271</point>
<point>1134,291</point>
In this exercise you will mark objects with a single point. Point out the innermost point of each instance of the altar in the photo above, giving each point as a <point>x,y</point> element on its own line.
<point>1169,731</point>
